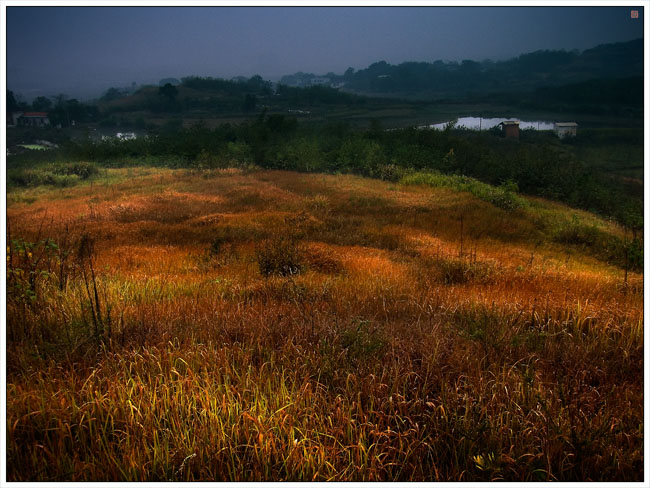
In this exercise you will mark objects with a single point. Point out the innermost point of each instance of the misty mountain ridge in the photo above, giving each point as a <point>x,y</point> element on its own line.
<point>526,72</point>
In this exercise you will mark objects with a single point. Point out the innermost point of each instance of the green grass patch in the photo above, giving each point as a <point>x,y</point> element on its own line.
<point>604,245</point>
<point>54,174</point>
<point>35,147</point>
<point>503,196</point>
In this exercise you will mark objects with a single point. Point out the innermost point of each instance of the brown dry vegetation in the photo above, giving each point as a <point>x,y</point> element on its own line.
<point>381,354</point>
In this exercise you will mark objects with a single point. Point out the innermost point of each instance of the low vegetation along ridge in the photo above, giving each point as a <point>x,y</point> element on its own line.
<point>215,323</point>
<point>600,170</point>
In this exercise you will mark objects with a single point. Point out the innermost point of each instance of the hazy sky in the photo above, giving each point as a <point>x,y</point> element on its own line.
<point>82,51</point>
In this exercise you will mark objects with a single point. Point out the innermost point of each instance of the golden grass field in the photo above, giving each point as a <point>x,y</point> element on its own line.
<point>154,348</point>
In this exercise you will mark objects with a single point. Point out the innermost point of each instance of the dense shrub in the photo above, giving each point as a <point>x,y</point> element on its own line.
<point>620,251</point>
<point>55,174</point>
<point>460,271</point>
<point>278,256</point>
<point>83,170</point>
<point>390,172</point>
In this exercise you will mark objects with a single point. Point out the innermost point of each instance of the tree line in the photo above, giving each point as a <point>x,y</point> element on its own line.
<point>524,73</point>
<point>61,110</point>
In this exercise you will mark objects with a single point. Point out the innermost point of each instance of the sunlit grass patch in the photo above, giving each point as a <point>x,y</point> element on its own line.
<point>423,335</point>
<point>503,196</point>
<point>322,258</point>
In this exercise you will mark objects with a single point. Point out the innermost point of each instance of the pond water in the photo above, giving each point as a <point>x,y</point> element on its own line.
<point>480,123</point>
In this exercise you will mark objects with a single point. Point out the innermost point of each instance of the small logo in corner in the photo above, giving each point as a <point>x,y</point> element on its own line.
<point>634,14</point>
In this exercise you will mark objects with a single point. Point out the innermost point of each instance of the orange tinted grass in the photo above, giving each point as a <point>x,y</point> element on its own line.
<point>367,365</point>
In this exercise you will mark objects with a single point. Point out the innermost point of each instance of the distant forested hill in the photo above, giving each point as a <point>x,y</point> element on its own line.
<point>526,72</point>
<point>607,79</point>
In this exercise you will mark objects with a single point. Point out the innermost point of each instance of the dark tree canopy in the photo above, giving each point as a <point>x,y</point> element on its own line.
<point>12,104</point>
<point>168,91</point>
<point>112,94</point>
<point>42,104</point>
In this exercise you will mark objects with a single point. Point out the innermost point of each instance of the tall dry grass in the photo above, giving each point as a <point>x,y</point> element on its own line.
<point>388,355</point>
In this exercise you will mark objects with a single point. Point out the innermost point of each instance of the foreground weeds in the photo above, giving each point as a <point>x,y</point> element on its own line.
<point>281,327</point>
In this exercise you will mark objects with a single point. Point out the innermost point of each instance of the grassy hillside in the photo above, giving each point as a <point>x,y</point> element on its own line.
<point>222,324</point>
<point>600,170</point>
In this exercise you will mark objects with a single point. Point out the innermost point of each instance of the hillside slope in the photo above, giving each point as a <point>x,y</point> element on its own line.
<point>270,325</point>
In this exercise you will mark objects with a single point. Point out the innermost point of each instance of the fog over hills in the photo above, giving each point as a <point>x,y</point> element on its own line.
<point>525,72</point>
<point>522,73</point>
<point>84,51</point>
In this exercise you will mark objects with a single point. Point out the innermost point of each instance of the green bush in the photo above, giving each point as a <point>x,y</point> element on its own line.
<point>577,233</point>
<point>83,170</point>
<point>61,175</point>
<point>61,181</point>
<point>390,172</point>
<point>599,242</point>
<point>24,178</point>
<point>461,271</point>
<point>208,160</point>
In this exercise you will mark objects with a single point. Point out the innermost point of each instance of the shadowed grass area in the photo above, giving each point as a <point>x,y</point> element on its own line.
<point>266,325</point>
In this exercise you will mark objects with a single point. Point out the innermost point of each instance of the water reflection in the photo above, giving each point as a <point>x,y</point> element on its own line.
<point>480,123</point>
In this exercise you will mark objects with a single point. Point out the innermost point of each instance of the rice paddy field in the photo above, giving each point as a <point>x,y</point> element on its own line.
<point>229,325</point>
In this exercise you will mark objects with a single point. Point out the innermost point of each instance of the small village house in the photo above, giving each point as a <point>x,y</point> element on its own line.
<point>30,119</point>
<point>34,119</point>
<point>510,129</point>
<point>564,129</point>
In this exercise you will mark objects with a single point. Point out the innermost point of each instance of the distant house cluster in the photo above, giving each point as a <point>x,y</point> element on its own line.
<point>510,129</point>
<point>120,136</point>
<point>319,80</point>
<point>28,119</point>
<point>305,82</point>
<point>125,136</point>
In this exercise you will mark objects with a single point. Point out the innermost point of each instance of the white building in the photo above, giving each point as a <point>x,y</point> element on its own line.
<point>319,81</point>
<point>125,136</point>
<point>564,129</point>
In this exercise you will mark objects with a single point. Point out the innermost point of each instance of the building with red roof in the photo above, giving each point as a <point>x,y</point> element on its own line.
<point>32,119</point>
